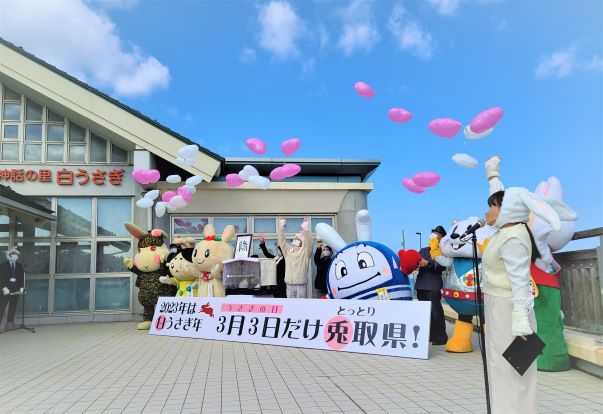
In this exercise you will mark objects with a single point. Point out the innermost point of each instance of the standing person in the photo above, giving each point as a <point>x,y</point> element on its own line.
<point>12,280</point>
<point>322,260</point>
<point>281,288</point>
<point>297,255</point>
<point>508,302</point>
<point>429,288</point>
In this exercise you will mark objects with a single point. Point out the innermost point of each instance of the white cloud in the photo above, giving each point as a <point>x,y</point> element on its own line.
<point>595,64</point>
<point>114,4</point>
<point>564,62</point>
<point>281,28</point>
<point>323,36</point>
<point>248,55</point>
<point>445,7</point>
<point>359,32</point>
<point>82,42</point>
<point>409,34</point>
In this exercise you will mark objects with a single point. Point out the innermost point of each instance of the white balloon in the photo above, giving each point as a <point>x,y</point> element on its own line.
<point>177,202</point>
<point>465,160</point>
<point>188,151</point>
<point>472,135</point>
<point>260,182</point>
<point>152,195</point>
<point>247,172</point>
<point>191,188</point>
<point>144,202</point>
<point>179,160</point>
<point>173,179</point>
<point>194,180</point>
<point>190,161</point>
<point>160,208</point>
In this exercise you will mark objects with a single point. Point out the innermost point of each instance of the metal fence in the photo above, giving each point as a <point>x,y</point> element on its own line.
<point>581,283</point>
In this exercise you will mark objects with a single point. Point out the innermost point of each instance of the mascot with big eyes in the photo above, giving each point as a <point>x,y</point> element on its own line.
<point>546,272</point>
<point>455,253</point>
<point>366,269</point>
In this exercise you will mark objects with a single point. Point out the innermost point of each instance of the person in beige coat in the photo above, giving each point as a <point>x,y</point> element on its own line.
<point>297,256</point>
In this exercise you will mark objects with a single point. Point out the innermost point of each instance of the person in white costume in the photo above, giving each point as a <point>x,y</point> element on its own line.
<point>508,302</point>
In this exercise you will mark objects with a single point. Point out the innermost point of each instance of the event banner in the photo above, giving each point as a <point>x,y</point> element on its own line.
<point>384,327</point>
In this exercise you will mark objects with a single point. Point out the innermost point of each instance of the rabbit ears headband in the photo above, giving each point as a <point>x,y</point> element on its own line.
<point>518,203</point>
<point>330,236</point>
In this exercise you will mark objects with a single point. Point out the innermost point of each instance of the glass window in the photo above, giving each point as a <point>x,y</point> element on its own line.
<point>112,214</point>
<point>316,220</point>
<point>10,152</point>
<point>35,256</point>
<point>74,217</point>
<point>30,229</point>
<point>33,132</point>
<point>54,152</point>
<point>270,245</point>
<point>264,225</point>
<point>185,226</point>
<point>77,153</point>
<point>73,257</point>
<point>112,293</point>
<point>53,117</point>
<point>239,223</point>
<point>118,154</point>
<point>12,112</point>
<point>293,224</point>
<point>33,152</point>
<point>37,295</point>
<point>110,256</point>
<point>55,132</point>
<point>10,95</point>
<point>71,294</point>
<point>76,133</point>
<point>33,111</point>
<point>4,224</point>
<point>98,149</point>
<point>10,132</point>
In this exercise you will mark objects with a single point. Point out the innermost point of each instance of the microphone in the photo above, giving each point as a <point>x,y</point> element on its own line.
<point>474,228</point>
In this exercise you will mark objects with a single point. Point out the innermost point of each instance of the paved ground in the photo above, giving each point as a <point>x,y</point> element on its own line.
<point>113,368</point>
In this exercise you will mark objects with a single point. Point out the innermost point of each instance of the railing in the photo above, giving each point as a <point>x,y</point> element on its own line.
<point>581,283</point>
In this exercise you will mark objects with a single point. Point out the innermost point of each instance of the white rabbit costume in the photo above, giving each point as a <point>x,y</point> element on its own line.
<point>508,301</point>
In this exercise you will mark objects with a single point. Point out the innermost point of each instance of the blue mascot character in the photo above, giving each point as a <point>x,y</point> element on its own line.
<point>364,269</point>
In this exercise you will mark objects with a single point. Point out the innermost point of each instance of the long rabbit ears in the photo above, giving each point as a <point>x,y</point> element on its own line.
<point>550,211</point>
<point>550,189</point>
<point>363,225</point>
<point>135,231</point>
<point>330,237</point>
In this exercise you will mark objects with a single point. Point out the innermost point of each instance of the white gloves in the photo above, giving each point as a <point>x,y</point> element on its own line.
<point>282,223</point>
<point>493,167</point>
<point>304,225</point>
<point>5,291</point>
<point>21,290</point>
<point>520,325</point>
<point>164,279</point>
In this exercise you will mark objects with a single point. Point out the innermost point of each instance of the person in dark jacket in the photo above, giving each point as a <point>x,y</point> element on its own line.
<point>429,288</point>
<point>12,282</point>
<point>281,287</point>
<point>322,260</point>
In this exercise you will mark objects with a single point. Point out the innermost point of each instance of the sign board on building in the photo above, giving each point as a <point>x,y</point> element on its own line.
<point>383,327</point>
<point>92,180</point>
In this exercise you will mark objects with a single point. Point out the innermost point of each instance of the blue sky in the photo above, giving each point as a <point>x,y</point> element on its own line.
<point>221,72</point>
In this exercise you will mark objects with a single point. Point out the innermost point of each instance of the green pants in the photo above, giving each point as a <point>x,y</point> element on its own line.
<point>550,329</point>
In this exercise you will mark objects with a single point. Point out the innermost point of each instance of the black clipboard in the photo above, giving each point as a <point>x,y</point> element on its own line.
<point>522,353</point>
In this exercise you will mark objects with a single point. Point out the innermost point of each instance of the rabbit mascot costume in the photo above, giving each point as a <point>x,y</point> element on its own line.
<point>208,257</point>
<point>149,267</point>
<point>180,265</point>
<point>366,269</point>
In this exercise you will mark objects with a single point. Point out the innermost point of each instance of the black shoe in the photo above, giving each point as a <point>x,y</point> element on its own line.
<point>439,342</point>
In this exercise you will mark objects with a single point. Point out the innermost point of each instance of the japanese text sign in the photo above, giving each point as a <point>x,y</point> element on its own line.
<point>383,327</point>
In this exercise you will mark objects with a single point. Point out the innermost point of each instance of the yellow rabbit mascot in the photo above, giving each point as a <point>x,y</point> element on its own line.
<point>208,257</point>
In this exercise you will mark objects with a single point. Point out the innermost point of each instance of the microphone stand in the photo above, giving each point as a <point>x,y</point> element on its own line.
<point>32,330</point>
<point>480,309</point>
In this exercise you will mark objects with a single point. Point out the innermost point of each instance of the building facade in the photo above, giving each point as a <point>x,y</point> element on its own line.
<point>71,150</point>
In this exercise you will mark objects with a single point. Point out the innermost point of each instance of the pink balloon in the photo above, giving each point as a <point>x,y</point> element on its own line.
<point>277,174</point>
<point>137,176</point>
<point>444,127</point>
<point>167,196</point>
<point>256,145</point>
<point>185,194</point>
<point>179,222</point>
<point>290,146</point>
<point>364,90</point>
<point>291,169</point>
<point>412,186</point>
<point>426,179</point>
<point>486,120</point>
<point>399,115</point>
<point>233,180</point>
